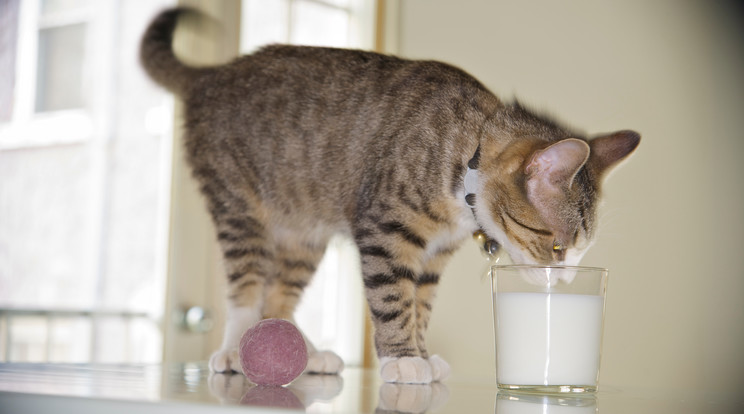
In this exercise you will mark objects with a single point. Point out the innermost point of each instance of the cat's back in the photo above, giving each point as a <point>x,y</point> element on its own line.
<point>284,93</point>
<point>330,75</point>
<point>327,119</point>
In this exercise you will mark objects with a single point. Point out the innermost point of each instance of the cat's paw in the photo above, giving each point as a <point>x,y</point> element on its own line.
<point>324,362</point>
<point>407,370</point>
<point>440,369</point>
<point>225,361</point>
<point>313,388</point>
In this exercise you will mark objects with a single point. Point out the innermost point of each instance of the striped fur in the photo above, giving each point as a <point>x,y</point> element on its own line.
<point>292,145</point>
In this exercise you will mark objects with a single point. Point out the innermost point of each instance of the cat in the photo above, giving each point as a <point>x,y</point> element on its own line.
<point>292,144</point>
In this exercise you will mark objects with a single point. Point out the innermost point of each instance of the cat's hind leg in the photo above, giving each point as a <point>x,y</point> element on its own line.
<point>249,262</point>
<point>245,241</point>
<point>296,263</point>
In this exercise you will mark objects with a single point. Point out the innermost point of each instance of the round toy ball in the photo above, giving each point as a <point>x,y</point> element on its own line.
<point>273,352</point>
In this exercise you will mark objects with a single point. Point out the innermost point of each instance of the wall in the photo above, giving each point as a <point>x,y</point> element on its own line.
<point>672,229</point>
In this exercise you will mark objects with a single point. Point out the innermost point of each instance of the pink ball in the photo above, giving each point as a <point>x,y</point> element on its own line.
<point>273,352</point>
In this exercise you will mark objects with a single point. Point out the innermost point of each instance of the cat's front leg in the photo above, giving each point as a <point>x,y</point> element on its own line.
<point>391,298</point>
<point>426,285</point>
<point>390,274</point>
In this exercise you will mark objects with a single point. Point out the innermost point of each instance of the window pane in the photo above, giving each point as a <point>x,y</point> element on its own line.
<point>117,339</point>
<point>264,22</point>
<point>49,7</point>
<point>59,79</point>
<point>70,339</point>
<point>319,25</point>
<point>48,243</point>
<point>28,336</point>
<point>112,339</point>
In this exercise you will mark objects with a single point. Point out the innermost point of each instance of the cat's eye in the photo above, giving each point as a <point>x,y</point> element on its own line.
<point>557,247</point>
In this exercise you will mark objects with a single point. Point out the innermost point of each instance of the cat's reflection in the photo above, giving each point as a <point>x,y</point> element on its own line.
<point>228,388</point>
<point>305,390</point>
<point>509,402</point>
<point>412,398</point>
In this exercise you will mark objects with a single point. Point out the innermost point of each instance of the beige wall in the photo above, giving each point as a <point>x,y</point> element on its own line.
<point>672,230</point>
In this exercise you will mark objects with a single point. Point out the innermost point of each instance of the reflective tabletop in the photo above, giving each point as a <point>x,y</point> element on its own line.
<point>187,388</point>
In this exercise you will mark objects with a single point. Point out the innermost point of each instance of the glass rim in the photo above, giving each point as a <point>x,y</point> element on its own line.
<point>527,266</point>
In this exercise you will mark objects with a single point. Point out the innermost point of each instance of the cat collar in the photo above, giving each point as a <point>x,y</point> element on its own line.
<point>489,246</point>
<point>471,179</point>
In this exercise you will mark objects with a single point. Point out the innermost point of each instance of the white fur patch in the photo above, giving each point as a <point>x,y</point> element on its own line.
<point>440,369</point>
<point>464,227</point>
<point>239,319</point>
<point>407,370</point>
<point>324,362</point>
<point>471,181</point>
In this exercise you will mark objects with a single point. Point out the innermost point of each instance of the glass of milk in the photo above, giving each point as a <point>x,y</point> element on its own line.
<point>548,326</point>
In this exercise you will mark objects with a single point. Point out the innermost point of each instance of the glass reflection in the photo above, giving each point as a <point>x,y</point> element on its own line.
<point>509,402</point>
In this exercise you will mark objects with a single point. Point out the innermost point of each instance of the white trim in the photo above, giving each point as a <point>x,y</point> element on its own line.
<point>73,126</point>
<point>30,129</point>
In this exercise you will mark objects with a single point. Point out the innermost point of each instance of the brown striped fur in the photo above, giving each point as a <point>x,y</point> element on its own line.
<point>294,144</point>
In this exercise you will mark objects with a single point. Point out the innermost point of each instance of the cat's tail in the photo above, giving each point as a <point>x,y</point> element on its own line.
<point>157,55</point>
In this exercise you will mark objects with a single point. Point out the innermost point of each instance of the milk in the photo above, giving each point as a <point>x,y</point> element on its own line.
<point>548,338</point>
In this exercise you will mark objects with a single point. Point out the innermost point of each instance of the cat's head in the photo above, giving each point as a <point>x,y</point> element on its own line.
<point>539,197</point>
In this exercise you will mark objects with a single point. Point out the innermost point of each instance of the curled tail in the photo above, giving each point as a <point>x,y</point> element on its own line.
<point>157,56</point>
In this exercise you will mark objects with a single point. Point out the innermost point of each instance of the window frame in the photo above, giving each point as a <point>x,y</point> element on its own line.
<point>28,128</point>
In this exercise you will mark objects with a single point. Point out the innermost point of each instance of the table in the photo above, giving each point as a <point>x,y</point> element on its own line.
<point>191,388</point>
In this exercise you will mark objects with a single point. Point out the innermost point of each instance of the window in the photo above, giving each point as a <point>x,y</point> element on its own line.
<point>60,57</point>
<point>337,23</point>
<point>84,166</point>
<point>85,179</point>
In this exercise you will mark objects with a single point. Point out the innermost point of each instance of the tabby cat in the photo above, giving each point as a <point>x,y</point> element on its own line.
<point>292,145</point>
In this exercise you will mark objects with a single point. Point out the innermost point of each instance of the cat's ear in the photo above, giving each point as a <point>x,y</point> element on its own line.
<point>607,151</point>
<point>555,167</point>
